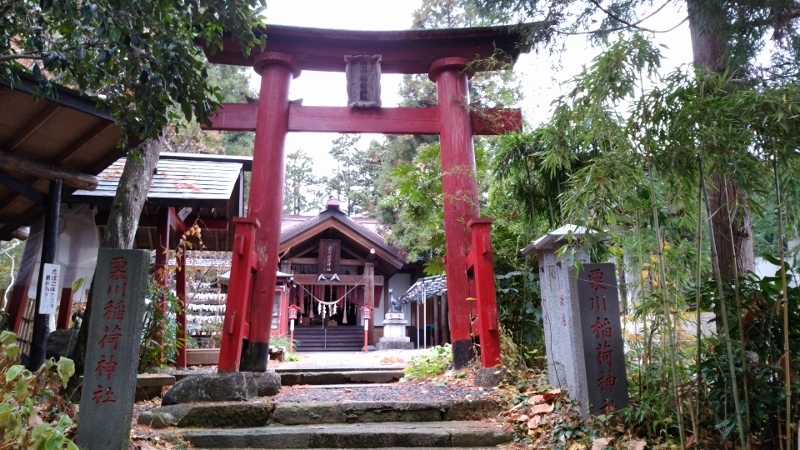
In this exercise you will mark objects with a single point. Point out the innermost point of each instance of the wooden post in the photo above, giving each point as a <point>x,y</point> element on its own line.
<point>161,272</point>
<point>460,190</point>
<point>444,319</point>
<point>64,309</point>
<point>180,290</point>
<point>49,244</point>
<point>369,297</point>
<point>436,325</point>
<point>16,306</point>
<point>235,327</point>
<point>480,258</point>
<point>266,197</point>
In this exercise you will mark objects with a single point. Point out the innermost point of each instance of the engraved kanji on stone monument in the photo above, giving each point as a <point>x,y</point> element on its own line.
<point>583,335</point>
<point>363,81</point>
<point>603,348</point>
<point>112,356</point>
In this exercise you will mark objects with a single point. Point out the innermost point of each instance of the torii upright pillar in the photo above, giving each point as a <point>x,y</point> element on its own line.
<point>266,198</point>
<point>460,190</point>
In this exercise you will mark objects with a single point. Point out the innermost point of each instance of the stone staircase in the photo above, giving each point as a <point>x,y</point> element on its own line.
<point>383,421</point>
<point>338,425</point>
<point>318,339</point>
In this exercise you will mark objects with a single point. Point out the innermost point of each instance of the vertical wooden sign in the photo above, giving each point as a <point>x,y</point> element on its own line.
<point>329,256</point>
<point>112,356</point>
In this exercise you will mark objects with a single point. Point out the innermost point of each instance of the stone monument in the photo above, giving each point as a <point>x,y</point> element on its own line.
<point>112,356</point>
<point>394,328</point>
<point>582,329</point>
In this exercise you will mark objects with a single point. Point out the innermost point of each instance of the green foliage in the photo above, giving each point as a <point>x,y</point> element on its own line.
<point>353,180</point>
<point>432,364</point>
<point>160,343</point>
<point>26,395</point>
<point>300,182</point>
<point>763,346</point>
<point>139,55</point>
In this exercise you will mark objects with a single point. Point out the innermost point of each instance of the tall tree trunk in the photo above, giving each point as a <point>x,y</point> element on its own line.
<point>709,46</point>
<point>737,256</point>
<point>134,185</point>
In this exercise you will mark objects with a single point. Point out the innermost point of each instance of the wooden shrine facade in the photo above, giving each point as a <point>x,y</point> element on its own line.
<point>449,57</point>
<point>338,266</point>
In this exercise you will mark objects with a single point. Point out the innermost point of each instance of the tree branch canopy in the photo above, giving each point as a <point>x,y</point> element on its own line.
<point>139,55</point>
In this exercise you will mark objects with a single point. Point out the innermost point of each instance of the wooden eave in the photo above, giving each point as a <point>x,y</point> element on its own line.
<point>66,130</point>
<point>405,51</point>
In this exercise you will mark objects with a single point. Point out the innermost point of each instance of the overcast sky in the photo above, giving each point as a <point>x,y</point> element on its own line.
<point>540,83</point>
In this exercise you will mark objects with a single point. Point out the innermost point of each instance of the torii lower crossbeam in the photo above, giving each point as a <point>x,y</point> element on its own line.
<point>242,117</point>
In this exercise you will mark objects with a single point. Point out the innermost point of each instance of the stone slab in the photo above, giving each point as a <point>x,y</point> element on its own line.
<point>314,367</point>
<point>227,415</point>
<point>202,356</point>
<point>252,414</point>
<point>112,356</point>
<point>366,435</point>
<point>154,379</point>
<point>320,378</point>
<point>394,344</point>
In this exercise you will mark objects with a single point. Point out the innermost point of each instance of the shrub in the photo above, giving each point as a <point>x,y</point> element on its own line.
<point>431,365</point>
<point>33,414</point>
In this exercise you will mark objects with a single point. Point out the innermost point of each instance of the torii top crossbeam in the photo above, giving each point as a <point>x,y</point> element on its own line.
<point>406,51</point>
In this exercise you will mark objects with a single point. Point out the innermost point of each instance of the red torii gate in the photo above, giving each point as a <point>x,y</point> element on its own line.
<point>448,56</point>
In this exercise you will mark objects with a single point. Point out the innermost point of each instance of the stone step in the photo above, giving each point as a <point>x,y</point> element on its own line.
<point>384,448</point>
<point>466,434</point>
<point>261,414</point>
<point>301,366</point>
<point>340,377</point>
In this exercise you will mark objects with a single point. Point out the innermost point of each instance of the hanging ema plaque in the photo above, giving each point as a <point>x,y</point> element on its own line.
<point>363,81</point>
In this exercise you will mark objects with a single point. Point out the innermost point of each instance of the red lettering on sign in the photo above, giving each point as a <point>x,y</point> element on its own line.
<point>97,396</point>
<point>115,289</point>
<point>109,367</point>
<point>110,396</point>
<point>602,329</point>
<point>605,354</point>
<point>609,406</point>
<point>118,266</point>
<point>111,338</point>
<point>607,380</point>
<point>599,302</point>
<point>114,311</point>
<point>596,280</point>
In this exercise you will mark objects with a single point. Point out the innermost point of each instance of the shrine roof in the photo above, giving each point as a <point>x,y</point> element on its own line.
<point>176,183</point>
<point>333,223</point>
<point>430,287</point>
<point>210,186</point>
<point>405,51</point>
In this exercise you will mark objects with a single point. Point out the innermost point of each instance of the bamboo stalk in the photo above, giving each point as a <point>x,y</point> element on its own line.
<point>739,318</point>
<point>724,308</point>
<point>667,315</point>
<point>786,353</point>
<point>698,247</point>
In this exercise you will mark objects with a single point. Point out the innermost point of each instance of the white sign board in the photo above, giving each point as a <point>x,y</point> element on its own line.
<point>50,282</point>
